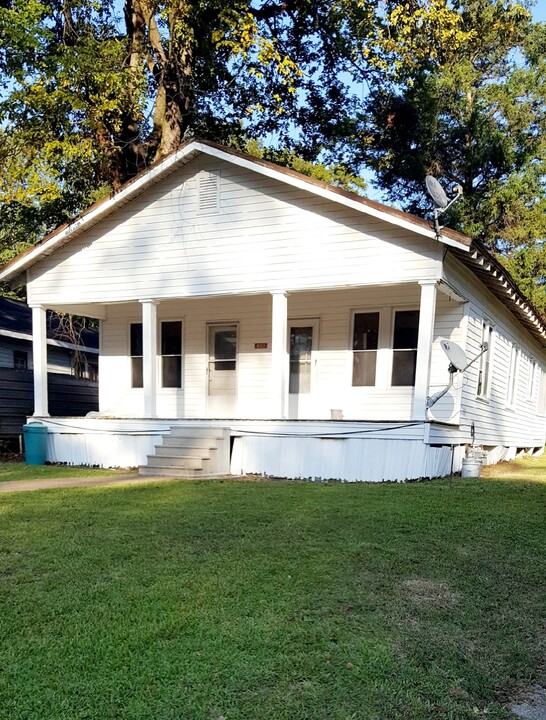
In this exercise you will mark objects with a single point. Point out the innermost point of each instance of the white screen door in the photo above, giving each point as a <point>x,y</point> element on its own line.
<point>222,370</point>
<point>303,341</point>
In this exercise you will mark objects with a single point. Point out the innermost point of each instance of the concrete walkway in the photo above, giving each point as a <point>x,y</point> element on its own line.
<point>129,479</point>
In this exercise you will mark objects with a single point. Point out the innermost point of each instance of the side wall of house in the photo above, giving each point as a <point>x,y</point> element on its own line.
<point>331,363</point>
<point>212,228</point>
<point>508,415</point>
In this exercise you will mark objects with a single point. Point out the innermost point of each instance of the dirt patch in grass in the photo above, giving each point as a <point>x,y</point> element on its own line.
<point>430,592</point>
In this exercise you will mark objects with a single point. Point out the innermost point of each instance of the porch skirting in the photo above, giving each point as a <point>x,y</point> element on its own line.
<point>356,451</point>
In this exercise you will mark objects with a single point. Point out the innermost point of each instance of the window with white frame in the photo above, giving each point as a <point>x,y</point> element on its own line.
<point>404,347</point>
<point>137,380</point>
<point>484,370</point>
<point>512,377</point>
<point>365,343</point>
<point>532,379</point>
<point>171,354</point>
<point>541,409</point>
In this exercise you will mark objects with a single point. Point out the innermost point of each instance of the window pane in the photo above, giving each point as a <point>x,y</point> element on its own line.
<point>403,367</point>
<point>406,329</point>
<point>137,375</point>
<point>366,331</point>
<point>171,338</point>
<point>20,359</point>
<point>136,339</point>
<point>172,371</point>
<point>364,364</point>
<point>301,345</point>
<point>225,349</point>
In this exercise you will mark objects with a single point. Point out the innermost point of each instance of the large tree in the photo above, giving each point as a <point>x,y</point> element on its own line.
<point>92,93</point>
<point>477,119</point>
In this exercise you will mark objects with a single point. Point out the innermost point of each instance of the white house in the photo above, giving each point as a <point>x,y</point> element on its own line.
<point>253,320</point>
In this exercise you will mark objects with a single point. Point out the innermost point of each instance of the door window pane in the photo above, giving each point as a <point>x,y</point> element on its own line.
<point>301,345</point>
<point>222,359</point>
<point>406,330</point>
<point>365,342</point>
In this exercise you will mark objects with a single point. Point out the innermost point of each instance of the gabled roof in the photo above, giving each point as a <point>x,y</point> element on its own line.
<point>499,281</point>
<point>471,253</point>
<point>187,152</point>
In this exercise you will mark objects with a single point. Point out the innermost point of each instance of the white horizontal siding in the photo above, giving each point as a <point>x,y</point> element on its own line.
<point>266,236</point>
<point>495,423</point>
<point>332,370</point>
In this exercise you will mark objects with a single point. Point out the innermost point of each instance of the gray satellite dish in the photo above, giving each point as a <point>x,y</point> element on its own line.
<point>456,355</point>
<point>458,362</point>
<point>441,200</point>
<point>436,192</point>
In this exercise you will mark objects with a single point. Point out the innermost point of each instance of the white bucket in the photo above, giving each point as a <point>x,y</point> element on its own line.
<point>471,468</point>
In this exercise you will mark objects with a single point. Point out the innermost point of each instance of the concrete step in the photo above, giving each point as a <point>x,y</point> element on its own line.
<point>184,450</point>
<point>189,462</point>
<point>174,472</point>
<point>197,432</point>
<point>182,441</point>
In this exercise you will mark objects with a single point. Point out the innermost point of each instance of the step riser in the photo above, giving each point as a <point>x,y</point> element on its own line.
<point>190,463</point>
<point>208,433</point>
<point>170,472</point>
<point>185,442</point>
<point>170,451</point>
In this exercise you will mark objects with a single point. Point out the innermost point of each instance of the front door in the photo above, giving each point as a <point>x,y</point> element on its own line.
<point>222,370</point>
<point>303,342</point>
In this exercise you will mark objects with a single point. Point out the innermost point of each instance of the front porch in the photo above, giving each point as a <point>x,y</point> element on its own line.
<point>317,450</point>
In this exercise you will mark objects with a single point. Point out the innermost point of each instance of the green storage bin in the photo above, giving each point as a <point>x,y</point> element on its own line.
<point>35,435</point>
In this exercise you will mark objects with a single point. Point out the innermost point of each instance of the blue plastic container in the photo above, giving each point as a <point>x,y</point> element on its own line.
<point>35,435</point>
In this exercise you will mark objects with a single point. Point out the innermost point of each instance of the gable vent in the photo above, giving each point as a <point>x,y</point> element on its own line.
<point>209,192</point>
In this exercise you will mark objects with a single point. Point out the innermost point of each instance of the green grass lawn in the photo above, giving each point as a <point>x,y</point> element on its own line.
<point>21,471</point>
<point>271,600</point>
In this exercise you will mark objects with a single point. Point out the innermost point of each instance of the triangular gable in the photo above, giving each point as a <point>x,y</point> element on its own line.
<point>186,153</point>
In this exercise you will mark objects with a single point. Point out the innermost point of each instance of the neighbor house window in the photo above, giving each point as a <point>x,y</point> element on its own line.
<point>512,377</point>
<point>484,371</point>
<point>365,341</point>
<point>20,360</point>
<point>171,353</point>
<point>136,355</point>
<point>404,346</point>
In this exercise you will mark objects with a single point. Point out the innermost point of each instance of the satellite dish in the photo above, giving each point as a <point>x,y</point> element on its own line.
<point>458,362</point>
<point>436,192</point>
<point>456,355</point>
<point>441,200</point>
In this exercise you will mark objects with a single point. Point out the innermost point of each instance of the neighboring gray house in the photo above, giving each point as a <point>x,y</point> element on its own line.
<point>293,326</point>
<point>72,369</point>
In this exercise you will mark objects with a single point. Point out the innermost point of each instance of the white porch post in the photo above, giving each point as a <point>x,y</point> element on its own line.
<point>427,313</point>
<point>149,356</point>
<point>39,360</point>
<point>279,354</point>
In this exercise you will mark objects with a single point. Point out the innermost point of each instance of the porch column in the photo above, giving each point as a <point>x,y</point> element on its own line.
<point>279,355</point>
<point>149,356</point>
<point>427,313</point>
<point>39,360</point>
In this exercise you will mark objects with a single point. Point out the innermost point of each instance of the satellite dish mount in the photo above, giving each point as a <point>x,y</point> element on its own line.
<point>458,362</point>
<point>441,200</point>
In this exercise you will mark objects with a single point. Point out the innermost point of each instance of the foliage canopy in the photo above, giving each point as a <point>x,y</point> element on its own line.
<point>92,93</point>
